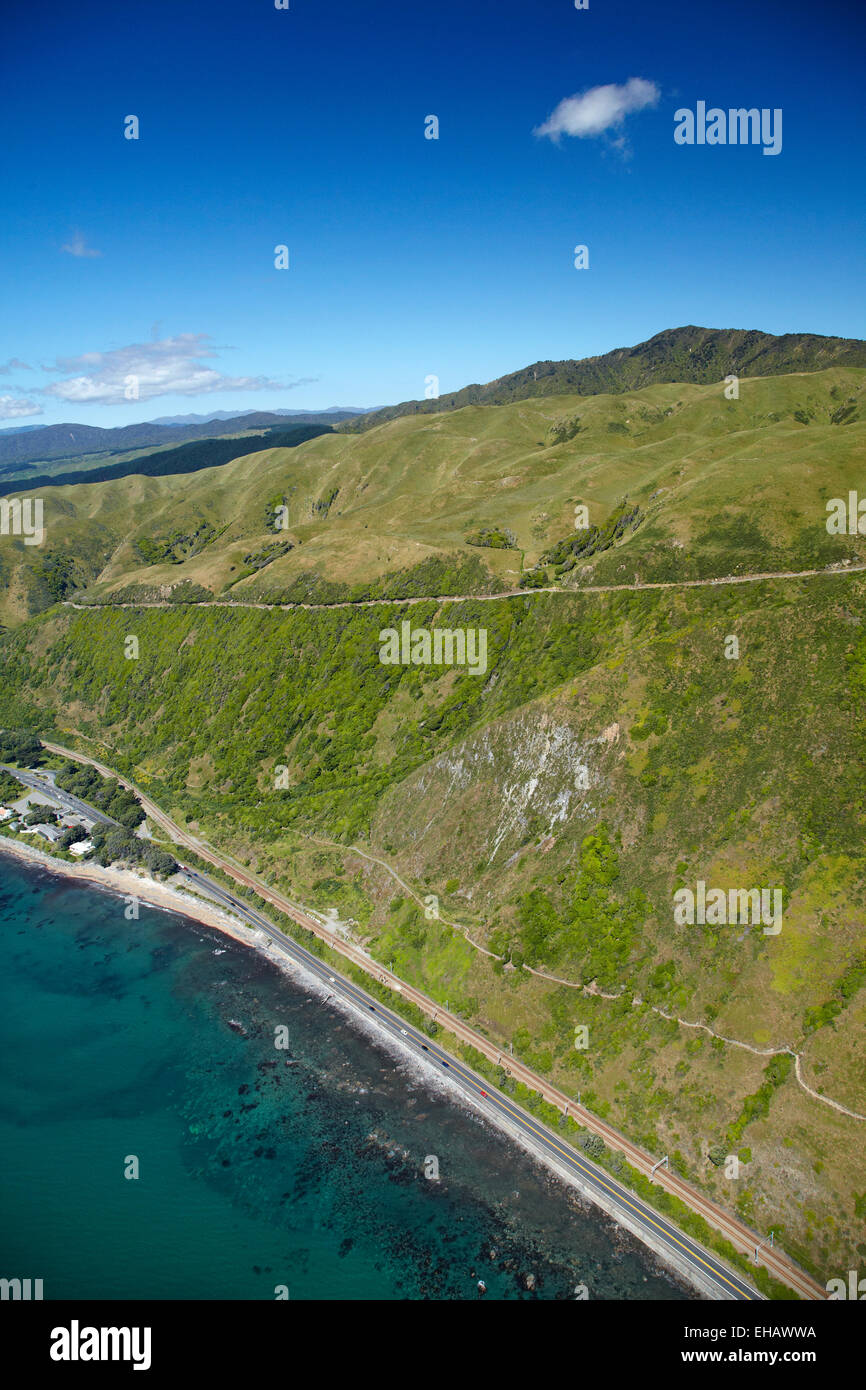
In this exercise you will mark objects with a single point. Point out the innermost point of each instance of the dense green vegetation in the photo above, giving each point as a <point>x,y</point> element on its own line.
<point>182,591</point>
<point>594,931</point>
<point>844,988</point>
<point>536,578</point>
<point>456,574</point>
<point>494,537</point>
<point>758,1105</point>
<point>21,747</point>
<point>687,354</point>
<point>313,685</point>
<point>119,847</point>
<point>10,788</point>
<point>73,836</point>
<point>60,574</point>
<point>274,509</point>
<point>178,546</point>
<point>323,505</point>
<point>258,559</point>
<point>106,794</point>
<point>561,431</point>
<point>592,540</point>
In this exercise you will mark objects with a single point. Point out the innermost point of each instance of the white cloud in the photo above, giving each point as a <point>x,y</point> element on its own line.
<point>591,113</point>
<point>15,407</point>
<point>78,247</point>
<point>142,371</point>
<point>14,365</point>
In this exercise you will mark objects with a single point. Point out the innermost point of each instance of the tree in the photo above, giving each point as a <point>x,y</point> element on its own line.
<point>10,788</point>
<point>116,845</point>
<point>20,746</point>
<point>593,1144</point>
<point>72,836</point>
<point>159,862</point>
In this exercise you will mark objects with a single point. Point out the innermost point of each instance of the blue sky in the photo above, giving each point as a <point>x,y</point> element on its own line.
<point>408,257</point>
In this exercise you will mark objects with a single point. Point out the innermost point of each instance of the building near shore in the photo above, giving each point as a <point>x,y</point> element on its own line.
<point>48,832</point>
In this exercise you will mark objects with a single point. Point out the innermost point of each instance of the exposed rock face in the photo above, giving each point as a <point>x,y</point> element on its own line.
<point>531,772</point>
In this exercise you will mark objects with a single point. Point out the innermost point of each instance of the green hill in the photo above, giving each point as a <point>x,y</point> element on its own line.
<point>713,487</point>
<point>616,750</point>
<point>611,755</point>
<point>173,459</point>
<point>66,443</point>
<point>689,354</point>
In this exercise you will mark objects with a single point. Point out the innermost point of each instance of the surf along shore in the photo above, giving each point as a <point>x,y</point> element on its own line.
<point>126,883</point>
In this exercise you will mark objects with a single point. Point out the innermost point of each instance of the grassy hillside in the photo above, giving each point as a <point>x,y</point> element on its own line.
<point>611,755</point>
<point>678,354</point>
<point>714,487</point>
<point>615,751</point>
<point>65,443</point>
<point>174,459</point>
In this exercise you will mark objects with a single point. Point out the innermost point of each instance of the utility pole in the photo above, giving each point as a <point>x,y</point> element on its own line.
<point>662,1163</point>
<point>763,1242</point>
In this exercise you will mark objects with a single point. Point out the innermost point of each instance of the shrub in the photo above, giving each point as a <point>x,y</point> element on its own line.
<point>593,1145</point>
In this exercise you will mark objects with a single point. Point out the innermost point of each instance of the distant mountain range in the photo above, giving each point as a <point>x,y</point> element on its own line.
<point>304,415</point>
<point>46,442</point>
<point>178,459</point>
<point>699,356</point>
<point>690,354</point>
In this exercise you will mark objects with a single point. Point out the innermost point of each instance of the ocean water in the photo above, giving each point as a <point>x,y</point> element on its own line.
<point>117,1042</point>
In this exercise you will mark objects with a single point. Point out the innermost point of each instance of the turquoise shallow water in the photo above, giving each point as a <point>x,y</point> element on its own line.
<point>116,1041</point>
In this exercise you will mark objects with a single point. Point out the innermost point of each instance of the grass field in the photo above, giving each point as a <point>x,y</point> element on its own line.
<point>721,486</point>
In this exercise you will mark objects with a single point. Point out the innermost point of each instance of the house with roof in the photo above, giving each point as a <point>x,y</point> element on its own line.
<point>48,832</point>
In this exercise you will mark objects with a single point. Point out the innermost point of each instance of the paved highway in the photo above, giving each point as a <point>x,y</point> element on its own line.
<point>727,1283</point>
<point>66,799</point>
<point>730,1226</point>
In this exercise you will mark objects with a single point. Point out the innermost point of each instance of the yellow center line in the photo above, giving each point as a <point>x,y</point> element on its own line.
<point>571,1157</point>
